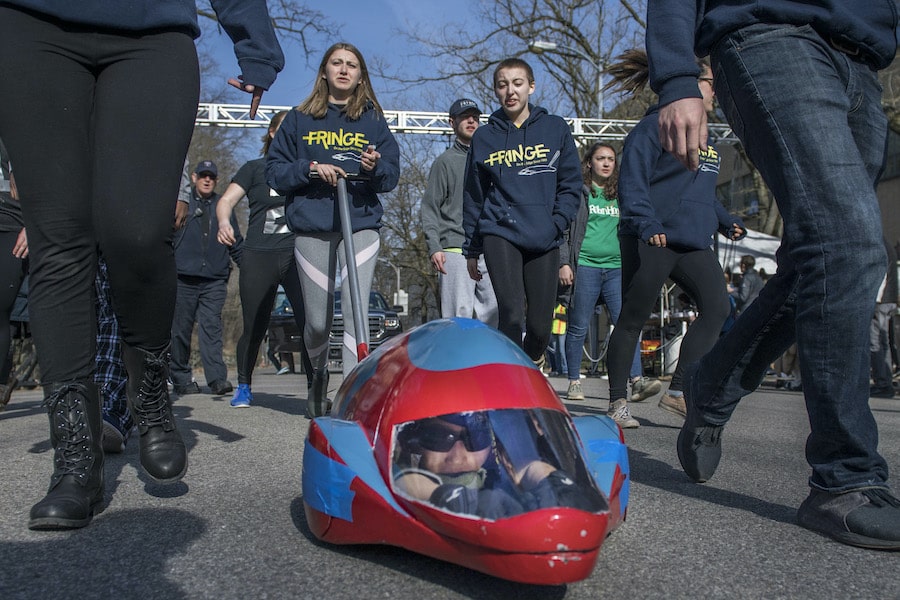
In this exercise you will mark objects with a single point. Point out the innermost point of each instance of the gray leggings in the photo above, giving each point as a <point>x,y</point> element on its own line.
<point>318,256</point>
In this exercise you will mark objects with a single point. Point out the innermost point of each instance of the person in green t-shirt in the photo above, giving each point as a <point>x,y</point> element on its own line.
<point>592,260</point>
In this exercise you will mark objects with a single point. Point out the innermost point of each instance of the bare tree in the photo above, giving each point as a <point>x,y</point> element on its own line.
<point>402,237</point>
<point>293,20</point>
<point>465,57</point>
<point>587,34</point>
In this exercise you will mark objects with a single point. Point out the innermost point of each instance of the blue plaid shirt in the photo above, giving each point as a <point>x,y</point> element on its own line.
<point>110,375</point>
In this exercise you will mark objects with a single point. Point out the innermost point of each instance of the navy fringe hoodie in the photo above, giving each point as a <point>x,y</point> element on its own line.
<point>657,194</point>
<point>336,139</point>
<point>522,183</point>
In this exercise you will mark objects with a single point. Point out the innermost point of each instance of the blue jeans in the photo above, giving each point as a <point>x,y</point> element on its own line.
<point>819,143</point>
<point>556,353</point>
<point>592,283</point>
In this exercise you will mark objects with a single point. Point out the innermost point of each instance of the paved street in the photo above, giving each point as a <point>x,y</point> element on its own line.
<point>235,528</point>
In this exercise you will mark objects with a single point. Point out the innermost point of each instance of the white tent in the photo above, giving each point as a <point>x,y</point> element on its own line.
<point>760,246</point>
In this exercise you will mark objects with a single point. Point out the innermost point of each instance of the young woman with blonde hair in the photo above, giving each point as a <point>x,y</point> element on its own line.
<point>339,129</point>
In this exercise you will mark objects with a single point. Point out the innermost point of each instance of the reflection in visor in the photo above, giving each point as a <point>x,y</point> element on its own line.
<point>493,464</point>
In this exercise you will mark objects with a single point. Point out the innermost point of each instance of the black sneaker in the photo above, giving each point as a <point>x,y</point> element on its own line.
<point>184,390</point>
<point>868,518</point>
<point>699,443</point>
<point>220,387</point>
<point>882,392</point>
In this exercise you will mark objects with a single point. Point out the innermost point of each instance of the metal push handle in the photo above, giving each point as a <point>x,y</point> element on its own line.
<point>360,323</point>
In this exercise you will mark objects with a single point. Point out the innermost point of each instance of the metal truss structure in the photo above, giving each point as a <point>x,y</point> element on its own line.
<point>434,123</point>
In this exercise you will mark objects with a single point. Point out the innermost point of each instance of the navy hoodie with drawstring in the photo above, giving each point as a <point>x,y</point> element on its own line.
<point>336,139</point>
<point>523,184</point>
<point>657,194</point>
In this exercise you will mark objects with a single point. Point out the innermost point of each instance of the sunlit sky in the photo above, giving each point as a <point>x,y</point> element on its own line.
<point>371,25</point>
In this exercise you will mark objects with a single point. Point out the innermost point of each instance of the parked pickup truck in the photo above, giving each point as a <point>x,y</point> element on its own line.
<point>384,322</point>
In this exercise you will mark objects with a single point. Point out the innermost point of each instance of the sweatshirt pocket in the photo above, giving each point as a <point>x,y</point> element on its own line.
<point>692,225</point>
<point>531,226</point>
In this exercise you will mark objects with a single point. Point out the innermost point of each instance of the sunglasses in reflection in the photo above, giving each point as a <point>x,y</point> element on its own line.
<point>441,439</point>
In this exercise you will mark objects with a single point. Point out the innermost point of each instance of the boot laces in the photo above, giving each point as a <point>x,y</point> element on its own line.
<point>710,434</point>
<point>73,453</point>
<point>152,406</point>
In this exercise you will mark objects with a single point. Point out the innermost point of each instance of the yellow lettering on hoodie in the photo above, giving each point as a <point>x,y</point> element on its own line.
<point>340,139</point>
<point>519,156</point>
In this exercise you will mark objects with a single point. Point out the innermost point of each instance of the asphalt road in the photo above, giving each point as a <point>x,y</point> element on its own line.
<point>235,527</point>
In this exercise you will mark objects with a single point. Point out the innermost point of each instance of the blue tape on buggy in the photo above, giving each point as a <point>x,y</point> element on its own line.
<point>326,482</point>
<point>603,452</point>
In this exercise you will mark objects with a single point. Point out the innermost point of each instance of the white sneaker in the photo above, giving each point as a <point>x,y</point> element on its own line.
<point>644,388</point>
<point>575,392</point>
<point>618,412</point>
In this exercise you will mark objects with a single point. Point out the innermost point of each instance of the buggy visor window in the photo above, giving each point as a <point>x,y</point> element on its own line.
<point>493,464</point>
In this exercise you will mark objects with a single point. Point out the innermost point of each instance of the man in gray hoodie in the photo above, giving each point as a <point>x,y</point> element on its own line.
<point>441,215</point>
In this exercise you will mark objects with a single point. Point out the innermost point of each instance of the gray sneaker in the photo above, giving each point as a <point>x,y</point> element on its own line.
<point>190,388</point>
<point>575,392</point>
<point>113,440</point>
<point>644,388</point>
<point>618,412</point>
<point>673,404</point>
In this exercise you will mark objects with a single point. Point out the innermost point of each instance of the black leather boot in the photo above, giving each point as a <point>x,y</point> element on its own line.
<point>76,486</point>
<point>163,455</point>
<point>317,403</point>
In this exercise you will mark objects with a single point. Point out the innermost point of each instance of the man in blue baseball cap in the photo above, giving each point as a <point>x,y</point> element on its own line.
<point>203,269</point>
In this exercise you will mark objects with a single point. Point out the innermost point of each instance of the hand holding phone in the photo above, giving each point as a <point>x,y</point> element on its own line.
<point>369,158</point>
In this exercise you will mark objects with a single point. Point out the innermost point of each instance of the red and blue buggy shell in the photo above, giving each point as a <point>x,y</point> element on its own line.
<point>460,369</point>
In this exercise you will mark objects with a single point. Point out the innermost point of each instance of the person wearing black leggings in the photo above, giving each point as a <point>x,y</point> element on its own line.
<point>114,97</point>
<point>668,217</point>
<point>268,261</point>
<point>13,268</point>
<point>338,130</point>
<point>522,190</point>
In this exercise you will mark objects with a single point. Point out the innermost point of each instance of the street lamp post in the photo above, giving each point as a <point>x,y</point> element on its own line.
<point>541,46</point>
<point>397,269</point>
